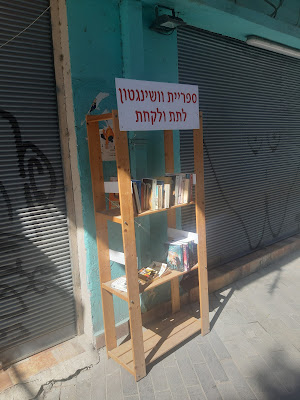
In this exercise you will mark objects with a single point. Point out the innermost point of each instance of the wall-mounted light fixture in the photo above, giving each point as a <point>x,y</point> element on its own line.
<point>166,23</point>
<point>273,46</point>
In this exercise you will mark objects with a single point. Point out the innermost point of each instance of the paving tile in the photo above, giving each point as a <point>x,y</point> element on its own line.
<point>5,381</point>
<point>176,384</point>
<point>159,379</point>
<point>259,338</point>
<point>83,389</point>
<point>196,392</point>
<point>218,346</point>
<point>227,391</point>
<point>240,346</point>
<point>250,366</point>
<point>145,388</point>
<point>266,382</point>
<point>114,387</point>
<point>68,392</point>
<point>135,397</point>
<point>170,360</point>
<point>98,379</point>
<point>207,382</point>
<point>238,380</point>
<point>287,338</point>
<point>186,368</point>
<point>233,317</point>
<point>165,395</point>
<point>194,352</point>
<point>129,384</point>
<point>227,331</point>
<point>174,377</point>
<point>111,366</point>
<point>179,393</point>
<point>213,363</point>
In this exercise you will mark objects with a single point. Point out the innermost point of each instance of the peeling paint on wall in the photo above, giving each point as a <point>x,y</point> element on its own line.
<point>95,104</point>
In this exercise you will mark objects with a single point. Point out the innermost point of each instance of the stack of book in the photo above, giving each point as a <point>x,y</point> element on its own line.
<point>162,192</point>
<point>182,254</point>
<point>154,271</point>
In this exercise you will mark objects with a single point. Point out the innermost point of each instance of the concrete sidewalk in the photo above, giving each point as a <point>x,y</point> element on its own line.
<point>252,351</point>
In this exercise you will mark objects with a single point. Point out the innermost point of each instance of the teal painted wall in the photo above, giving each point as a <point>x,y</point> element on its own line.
<point>111,39</point>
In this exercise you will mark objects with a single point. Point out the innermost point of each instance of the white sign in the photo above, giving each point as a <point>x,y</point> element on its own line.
<point>151,106</point>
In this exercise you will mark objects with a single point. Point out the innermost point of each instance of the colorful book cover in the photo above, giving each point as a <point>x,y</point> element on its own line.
<point>151,192</point>
<point>195,253</point>
<point>139,187</point>
<point>191,254</point>
<point>136,197</point>
<point>185,247</point>
<point>191,188</point>
<point>175,257</point>
<point>176,190</point>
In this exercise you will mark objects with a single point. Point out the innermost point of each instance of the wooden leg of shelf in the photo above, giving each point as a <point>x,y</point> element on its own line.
<point>201,229</point>
<point>101,232</point>
<point>105,276</point>
<point>175,296</point>
<point>109,320</point>
<point>129,245</point>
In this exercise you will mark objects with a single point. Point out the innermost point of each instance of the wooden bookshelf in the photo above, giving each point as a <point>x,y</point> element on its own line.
<point>144,346</point>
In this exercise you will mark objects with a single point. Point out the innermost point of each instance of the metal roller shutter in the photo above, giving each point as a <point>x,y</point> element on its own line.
<point>36,293</point>
<point>251,104</point>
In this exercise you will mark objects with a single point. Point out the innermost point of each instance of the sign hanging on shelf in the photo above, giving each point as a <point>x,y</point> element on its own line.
<point>152,106</point>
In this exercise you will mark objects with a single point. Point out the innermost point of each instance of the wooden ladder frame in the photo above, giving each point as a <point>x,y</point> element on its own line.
<point>126,220</point>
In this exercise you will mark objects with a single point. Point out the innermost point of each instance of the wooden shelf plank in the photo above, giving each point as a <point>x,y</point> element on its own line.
<point>112,215</point>
<point>159,338</point>
<point>146,286</point>
<point>159,281</point>
<point>97,118</point>
<point>115,216</point>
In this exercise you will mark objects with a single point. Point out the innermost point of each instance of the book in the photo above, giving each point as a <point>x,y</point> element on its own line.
<point>191,188</point>
<point>143,196</point>
<point>182,254</point>
<point>175,256</point>
<point>172,191</point>
<point>186,190</point>
<point>152,200</point>
<point>149,186</point>
<point>176,194</point>
<point>167,195</point>
<point>136,197</point>
<point>148,200</point>
<point>180,181</point>
<point>154,271</point>
<point>185,250</point>
<point>192,259</point>
<point>159,195</point>
<point>139,187</point>
<point>120,284</point>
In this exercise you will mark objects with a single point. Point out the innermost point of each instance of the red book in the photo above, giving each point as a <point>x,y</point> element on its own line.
<point>185,256</point>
